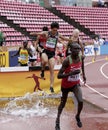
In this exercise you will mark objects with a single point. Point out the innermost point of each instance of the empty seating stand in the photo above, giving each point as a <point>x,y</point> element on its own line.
<point>96,19</point>
<point>13,37</point>
<point>33,17</point>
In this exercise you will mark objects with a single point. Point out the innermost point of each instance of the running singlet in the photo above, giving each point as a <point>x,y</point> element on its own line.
<point>70,81</point>
<point>51,42</point>
<point>23,59</point>
<point>68,52</point>
<point>96,44</point>
<point>42,41</point>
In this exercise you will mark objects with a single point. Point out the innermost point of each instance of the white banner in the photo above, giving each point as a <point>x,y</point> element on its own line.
<point>89,50</point>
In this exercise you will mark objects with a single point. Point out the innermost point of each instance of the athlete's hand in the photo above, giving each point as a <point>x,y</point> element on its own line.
<point>74,72</point>
<point>84,79</point>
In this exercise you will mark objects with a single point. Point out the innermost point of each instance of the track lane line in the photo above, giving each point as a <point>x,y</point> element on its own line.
<point>89,87</point>
<point>101,70</point>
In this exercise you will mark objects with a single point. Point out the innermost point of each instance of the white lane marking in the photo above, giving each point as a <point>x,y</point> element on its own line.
<point>86,64</point>
<point>101,70</point>
<point>96,91</point>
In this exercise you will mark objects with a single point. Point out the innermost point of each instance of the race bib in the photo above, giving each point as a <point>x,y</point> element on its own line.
<point>22,57</point>
<point>74,78</point>
<point>51,43</point>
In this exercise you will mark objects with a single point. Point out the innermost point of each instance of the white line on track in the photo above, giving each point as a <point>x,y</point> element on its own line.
<point>101,70</point>
<point>86,64</point>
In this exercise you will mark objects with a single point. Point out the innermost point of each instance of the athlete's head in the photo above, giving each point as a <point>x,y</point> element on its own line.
<point>54,27</point>
<point>75,49</point>
<point>45,28</point>
<point>25,43</point>
<point>75,33</point>
<point>96,38</point>
<point>33,43</point>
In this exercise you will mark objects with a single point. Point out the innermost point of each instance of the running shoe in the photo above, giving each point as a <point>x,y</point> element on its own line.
<point>51,90</point>
<point>57,127</point>
<point>79,123</point>
<point>42,74</point>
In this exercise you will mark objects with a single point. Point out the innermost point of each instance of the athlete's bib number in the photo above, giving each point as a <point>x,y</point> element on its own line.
<point>51,43</point>
<point>74,77</point>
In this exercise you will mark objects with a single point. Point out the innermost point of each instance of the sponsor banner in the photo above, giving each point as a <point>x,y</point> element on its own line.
<point>14,69</point>
<point>104,49</point>
<point>89,50</point>
<point>15,84</point>
<point>4,59</point>
<point>13,61</point>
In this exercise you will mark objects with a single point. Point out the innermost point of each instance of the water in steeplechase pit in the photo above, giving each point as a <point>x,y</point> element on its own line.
<point>38,111</point>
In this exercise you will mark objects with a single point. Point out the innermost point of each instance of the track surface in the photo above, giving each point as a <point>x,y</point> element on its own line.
<point>93,118</point>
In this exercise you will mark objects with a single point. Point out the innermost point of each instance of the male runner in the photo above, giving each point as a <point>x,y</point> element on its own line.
<point>48,53</point>
<point>70,75</point>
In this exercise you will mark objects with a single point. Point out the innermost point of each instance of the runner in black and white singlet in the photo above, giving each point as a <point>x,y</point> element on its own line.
<point>49,50</point>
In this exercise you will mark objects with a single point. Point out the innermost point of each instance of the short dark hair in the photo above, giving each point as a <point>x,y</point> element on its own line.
<point>25,42</point>
<point>45,28</point>
<point>72,45</point>
<point>54,25</point>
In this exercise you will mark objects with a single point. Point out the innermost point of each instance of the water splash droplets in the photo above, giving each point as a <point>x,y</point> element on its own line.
<point>29,105</point>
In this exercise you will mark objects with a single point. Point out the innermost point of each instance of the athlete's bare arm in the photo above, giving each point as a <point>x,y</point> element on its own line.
<point>65,65</point>
<point>82,47</point>
<point>83,70</point>
<point>37,44</point>
<point>64,38</point>
<point>39,33</point>
<point>17,53</point>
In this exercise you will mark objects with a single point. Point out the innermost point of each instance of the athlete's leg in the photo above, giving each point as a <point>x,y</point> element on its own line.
<point>78,94</point>
<point>58,60</point>
<point>95,54</point>
<point>34,63</point>
<point>31,64</point>
<point>51,63</point>
<point>44,61</point>
<point>60,108</point>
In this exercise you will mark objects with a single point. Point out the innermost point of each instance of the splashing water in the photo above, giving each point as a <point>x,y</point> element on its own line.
<point>29,105</point>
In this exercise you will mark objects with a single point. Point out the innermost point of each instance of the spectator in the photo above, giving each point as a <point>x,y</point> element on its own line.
<point>23,53</point>
<point>100,3</point>
<point>101,41</point>
<point>2,38</point>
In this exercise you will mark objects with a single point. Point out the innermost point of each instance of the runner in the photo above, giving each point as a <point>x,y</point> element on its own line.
<point>34,55</point>
<point>36,79</point>
<point>48,53</point>
<point>23,53</point>
<point>2,38</point>
<point>60,53</point>
<point>41,41</point>
<point>75,38</point>
<point>70,74</point>
<point>96,47</point>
